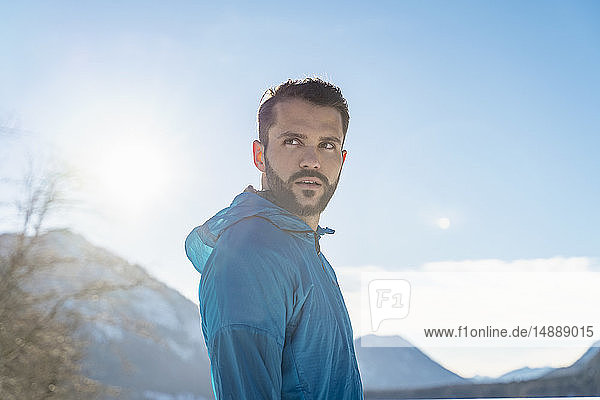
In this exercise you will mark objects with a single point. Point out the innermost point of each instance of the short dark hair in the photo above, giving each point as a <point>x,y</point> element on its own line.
<point>313,90</point>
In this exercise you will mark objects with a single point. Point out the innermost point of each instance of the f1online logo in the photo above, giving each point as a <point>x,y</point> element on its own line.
<point>388,299</point>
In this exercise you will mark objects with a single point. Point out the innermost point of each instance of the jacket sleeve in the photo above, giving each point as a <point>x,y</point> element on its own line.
<point>245,364</point>
<point>244,300</point>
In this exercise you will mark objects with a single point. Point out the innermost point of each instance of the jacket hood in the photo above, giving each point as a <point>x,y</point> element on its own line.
<point>202,239</point>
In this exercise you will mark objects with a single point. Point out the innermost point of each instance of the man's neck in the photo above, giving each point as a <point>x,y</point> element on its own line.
<point>311,220</point>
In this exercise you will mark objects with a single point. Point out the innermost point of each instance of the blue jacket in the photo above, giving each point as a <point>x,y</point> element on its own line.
<point>273,317</point>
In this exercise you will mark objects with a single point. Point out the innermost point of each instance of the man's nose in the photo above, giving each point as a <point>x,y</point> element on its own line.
<point>309,158</point>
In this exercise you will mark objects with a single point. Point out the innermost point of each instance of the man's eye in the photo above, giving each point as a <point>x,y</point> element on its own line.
<point>291,141</point>
<point>328,145</point>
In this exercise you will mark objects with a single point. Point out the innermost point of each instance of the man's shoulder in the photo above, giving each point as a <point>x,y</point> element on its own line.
<point>255,246</point>
<point>254,233</point>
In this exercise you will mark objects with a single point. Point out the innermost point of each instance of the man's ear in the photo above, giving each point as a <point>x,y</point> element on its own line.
<point>344,153</point>
<point>258,153</point>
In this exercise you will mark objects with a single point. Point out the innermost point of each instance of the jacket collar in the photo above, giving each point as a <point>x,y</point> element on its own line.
<point>202,239</point>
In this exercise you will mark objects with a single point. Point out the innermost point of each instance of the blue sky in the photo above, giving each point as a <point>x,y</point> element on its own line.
<point>485,113</point>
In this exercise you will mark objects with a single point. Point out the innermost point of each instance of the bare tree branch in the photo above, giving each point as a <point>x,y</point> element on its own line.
<point>40,345</point>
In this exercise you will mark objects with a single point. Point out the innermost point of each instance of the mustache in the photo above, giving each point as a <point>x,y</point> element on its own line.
<point>308,174</point>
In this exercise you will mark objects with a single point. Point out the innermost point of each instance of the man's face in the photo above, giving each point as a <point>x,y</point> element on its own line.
<point>303,158</point>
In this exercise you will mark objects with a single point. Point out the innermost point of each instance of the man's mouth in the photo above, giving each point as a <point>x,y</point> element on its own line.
<point>311,183</point>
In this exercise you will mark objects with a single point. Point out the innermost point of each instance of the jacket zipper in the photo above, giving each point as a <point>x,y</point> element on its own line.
<point>318,250</point>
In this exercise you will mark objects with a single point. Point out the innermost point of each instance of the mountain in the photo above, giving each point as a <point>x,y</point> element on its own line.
<point>580,379</point>
<point>146,340</point>
<point>526,373</point>
<point>579,365</point>
<point>523,374</point>
<point>392,363</point>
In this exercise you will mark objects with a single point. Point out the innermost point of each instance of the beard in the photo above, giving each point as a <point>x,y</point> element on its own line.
<point>280,192</point>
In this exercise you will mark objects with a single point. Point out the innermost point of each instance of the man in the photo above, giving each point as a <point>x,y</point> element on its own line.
<point>273,317</point>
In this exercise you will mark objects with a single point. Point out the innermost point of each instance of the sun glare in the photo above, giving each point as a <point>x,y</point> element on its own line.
<point>129,175</point>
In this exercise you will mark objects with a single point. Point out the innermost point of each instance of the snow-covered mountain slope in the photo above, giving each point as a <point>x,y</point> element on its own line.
<point>523,374</point>
<point>145,339</point>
